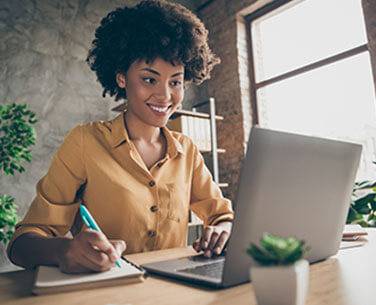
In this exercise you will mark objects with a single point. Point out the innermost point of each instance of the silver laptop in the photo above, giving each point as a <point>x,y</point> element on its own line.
<point>290,185</point>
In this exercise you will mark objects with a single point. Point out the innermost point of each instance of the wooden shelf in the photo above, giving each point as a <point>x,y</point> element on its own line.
<point>192,224</point>
<point>219,150</point>
<point>177,113</point>
<point>119,108</point>
<point>194,114</point>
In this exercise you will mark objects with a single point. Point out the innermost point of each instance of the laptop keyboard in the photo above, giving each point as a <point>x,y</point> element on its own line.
<point>213,270</point>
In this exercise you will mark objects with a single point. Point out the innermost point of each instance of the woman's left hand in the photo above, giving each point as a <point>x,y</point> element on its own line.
<point>213,239</point>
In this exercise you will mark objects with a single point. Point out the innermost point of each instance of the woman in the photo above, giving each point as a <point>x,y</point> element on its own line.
<point>138,179</point>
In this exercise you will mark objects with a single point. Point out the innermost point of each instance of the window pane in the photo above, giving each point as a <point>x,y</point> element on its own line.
<point>302,32</point>
<point>335,101</point>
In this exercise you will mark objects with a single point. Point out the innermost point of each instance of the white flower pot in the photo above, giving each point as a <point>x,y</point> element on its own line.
<point>281,285</point>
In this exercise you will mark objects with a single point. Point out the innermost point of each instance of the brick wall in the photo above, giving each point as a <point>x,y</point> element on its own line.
<point>230,81</point>
<point>369,10</point>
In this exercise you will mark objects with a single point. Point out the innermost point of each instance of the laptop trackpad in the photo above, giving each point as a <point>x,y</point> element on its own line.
<point>185,262</point>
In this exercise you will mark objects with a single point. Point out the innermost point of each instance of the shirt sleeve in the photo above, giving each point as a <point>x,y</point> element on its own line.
<point>55,205</point>
<point>207,200</point>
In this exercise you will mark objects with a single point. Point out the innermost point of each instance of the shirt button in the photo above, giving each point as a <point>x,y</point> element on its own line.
<point>152,183</point>
<point>152,233</point>
<point>154,208</point>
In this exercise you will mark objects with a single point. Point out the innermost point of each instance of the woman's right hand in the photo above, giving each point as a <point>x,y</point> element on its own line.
<point>89,251</point>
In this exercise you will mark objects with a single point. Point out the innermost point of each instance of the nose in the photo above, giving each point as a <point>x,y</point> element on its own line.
<point>163,92</point>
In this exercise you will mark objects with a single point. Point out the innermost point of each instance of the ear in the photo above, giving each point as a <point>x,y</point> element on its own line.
<point>120,79</point>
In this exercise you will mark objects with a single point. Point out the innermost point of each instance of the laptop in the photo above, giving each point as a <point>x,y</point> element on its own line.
<point>290,185</point>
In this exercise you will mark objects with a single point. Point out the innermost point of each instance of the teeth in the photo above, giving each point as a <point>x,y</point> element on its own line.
<point>159,109</point>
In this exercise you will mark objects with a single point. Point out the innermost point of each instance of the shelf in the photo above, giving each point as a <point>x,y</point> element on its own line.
<point>207,151</point>
<point>192,224</point>
<point>177,113</point>
<point>194,114</point>
<point>119,108</point>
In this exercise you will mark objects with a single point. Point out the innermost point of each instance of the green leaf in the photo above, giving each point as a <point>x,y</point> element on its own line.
<point>353,215</point>
<point>363,205</point>
<point>8,217</point>
<point>17,134</point>
<point>275,250</point>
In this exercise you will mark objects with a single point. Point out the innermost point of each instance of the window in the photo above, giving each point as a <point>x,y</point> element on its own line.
<point>312,72</point>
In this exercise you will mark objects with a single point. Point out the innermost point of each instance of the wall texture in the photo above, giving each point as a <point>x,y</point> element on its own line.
<point>43,46</point>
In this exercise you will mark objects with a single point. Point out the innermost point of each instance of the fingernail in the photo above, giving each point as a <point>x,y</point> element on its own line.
<point>217,250</point>
<point>205,244</point>
<point>208,253</point>
<point>114,257</point>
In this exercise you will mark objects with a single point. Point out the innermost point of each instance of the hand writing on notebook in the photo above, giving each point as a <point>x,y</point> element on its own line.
<point>213,239</point>
<point>89,251</point>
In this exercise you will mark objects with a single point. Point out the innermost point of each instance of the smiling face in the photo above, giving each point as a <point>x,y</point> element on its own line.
<point>154,90</point>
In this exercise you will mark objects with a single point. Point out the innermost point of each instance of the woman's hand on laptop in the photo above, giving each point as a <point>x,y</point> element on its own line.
<point>213,239</point>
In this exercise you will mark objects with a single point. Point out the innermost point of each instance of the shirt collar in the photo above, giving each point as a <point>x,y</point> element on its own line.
<point>119,135</point>
<point>118,131</point>
<point>173,145</point>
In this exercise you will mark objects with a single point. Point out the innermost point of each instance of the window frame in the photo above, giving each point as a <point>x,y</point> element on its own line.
<point>254,86</point>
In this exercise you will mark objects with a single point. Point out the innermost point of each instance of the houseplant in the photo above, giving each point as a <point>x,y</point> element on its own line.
<point>17,135</point>
<point>279,274</point>
<point>363,204</point>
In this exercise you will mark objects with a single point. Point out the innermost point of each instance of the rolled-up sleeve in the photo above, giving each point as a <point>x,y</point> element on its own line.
<point>207,200</point>
<point>55,205</point>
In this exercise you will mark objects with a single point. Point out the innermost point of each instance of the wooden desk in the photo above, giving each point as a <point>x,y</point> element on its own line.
<point>345,279</point>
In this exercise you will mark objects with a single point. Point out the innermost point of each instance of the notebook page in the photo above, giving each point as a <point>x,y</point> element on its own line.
<point>352,230</point>
<point>52,276</point>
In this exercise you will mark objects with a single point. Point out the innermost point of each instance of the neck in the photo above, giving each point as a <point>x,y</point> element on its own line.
<point>139,131</point>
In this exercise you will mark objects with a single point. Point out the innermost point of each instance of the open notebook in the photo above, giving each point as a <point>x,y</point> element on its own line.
<point>51,280</point>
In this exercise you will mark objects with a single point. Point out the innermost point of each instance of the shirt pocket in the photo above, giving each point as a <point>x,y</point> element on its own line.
<point>177,209</point>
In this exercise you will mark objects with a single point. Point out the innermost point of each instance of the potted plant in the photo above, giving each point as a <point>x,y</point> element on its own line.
<point>363,204</point>
<point>279,275</point>
<point>17,135</point>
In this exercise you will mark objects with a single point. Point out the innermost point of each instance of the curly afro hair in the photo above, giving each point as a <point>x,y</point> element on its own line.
<point>151,29</point>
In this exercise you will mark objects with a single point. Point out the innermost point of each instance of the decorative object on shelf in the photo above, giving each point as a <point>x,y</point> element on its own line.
<point>198,129</point>
<point>280,275</point>
<point>17,135</point>
<point>363,204</point>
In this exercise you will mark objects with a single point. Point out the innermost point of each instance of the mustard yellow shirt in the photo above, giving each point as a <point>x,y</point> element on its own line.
<point>148,209</point>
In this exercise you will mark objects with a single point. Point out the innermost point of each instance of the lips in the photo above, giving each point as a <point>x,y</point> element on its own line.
<point>159,108</point>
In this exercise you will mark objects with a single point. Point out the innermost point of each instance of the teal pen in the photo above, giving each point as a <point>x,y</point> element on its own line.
<point>91,224</point>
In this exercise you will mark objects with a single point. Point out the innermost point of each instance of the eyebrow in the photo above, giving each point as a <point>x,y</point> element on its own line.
<point>157,73</point>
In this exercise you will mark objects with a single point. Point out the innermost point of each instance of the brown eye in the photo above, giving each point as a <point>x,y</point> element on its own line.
<point>149,80</point>
<point>176,83</point>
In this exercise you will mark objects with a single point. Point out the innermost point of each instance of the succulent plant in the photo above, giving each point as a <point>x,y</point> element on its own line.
<point>275,250</point>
